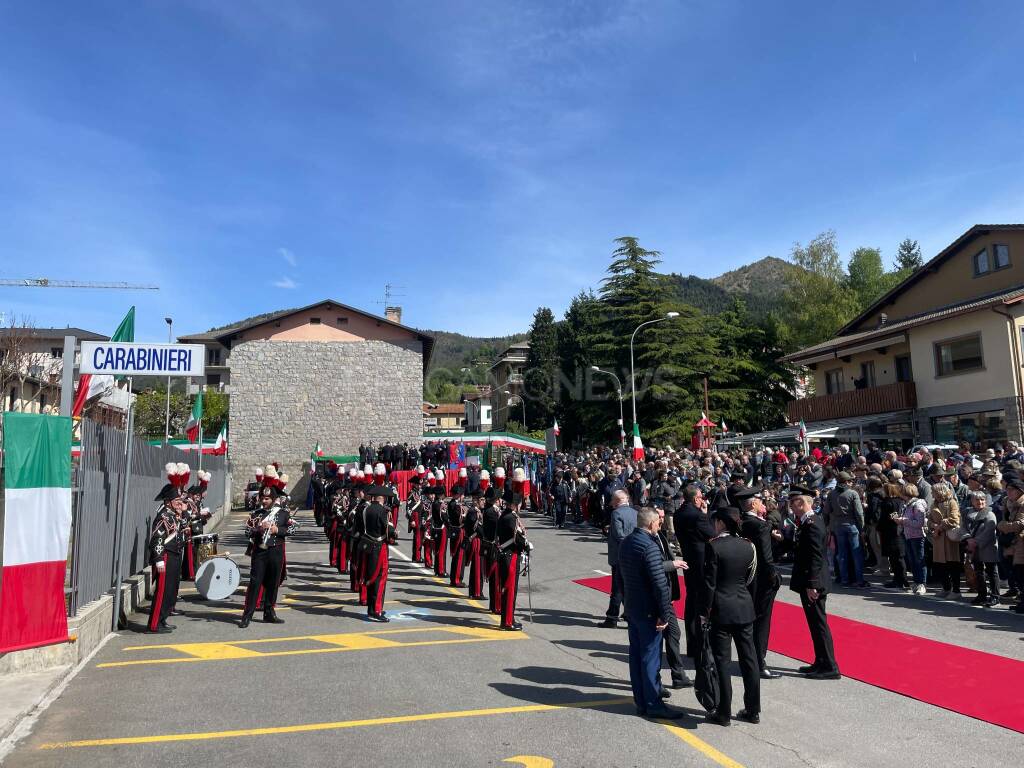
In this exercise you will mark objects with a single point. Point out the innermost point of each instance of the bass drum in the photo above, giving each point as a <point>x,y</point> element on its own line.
<point>217,578</point>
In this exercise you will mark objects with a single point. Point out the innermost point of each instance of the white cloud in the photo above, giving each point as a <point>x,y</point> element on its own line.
<point>288,256</point>
<point>285,282</point>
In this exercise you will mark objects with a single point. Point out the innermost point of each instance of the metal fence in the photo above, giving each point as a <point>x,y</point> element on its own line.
<point>98,488</point>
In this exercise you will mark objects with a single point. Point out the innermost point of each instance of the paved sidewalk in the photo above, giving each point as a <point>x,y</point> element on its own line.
<point>22,692</point>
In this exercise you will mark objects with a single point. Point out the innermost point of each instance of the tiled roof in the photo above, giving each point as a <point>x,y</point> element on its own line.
<point>907,322</point>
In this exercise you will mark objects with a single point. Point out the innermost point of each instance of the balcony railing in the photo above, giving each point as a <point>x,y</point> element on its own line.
<point>859,402</point>
<point>515,378</point>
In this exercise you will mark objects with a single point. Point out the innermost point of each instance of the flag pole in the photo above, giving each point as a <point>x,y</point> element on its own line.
<point>200,444</point>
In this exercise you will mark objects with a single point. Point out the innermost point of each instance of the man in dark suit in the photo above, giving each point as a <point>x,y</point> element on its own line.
<point>620,525</point>
<point>811,580</point>
<point>672,633</point>
<point>694,531</point>
<point>730,565</point>
<point>765,586</point>
<point>648,606</point>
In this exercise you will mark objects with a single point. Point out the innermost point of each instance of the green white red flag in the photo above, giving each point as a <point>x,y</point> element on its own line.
<point>36,527</point>
<point>92,385</point>
<point>192,427</point>
<point>638,446</point>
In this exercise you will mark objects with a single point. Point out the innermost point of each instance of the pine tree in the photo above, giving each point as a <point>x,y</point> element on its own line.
<point>908,256</point>
<point>540,375</point>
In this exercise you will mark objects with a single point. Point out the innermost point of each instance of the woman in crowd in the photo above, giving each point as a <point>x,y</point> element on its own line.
<point>911,521</point>
<point>979,531</point>
<point>943,517</point>
<point>890,509</point>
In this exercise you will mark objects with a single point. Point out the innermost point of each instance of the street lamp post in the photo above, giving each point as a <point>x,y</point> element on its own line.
<point>522,402</point>
<point>632,374</point>
<point>618,390</point>
<point>167,415</point>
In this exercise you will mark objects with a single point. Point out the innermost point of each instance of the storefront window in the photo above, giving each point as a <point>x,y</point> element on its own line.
<point>984,429</point>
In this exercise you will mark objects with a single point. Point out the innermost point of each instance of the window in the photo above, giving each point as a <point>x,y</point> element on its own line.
<point>1001,256</point>
<point>213,380</point>
<point>314,321</point>
<point>342,321</point>
<point>42,403</point>
<point>903,368</point>
<point>56,352</point>
<point>867,374</point>
<point>834,381</point>
<point>981,262</point>
<point>213,357</point>
<point>984,429</point>
<point>958,355</point>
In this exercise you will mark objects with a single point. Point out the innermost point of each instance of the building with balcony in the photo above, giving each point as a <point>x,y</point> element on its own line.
<point>936,359</point>
<point>478,409</point>
<point>506,376</point>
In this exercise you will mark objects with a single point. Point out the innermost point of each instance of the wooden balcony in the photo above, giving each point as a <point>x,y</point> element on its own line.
<point>859,402</point>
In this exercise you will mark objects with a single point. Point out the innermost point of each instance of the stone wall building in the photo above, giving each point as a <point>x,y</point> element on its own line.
<point>328,374</point>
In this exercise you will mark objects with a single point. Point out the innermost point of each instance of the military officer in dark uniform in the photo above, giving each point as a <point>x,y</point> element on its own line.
<point>488,541</point>
<point>812,581</point>
<point>755,529</point>
<point>693,530</point>
<point>471,525</point>
<point>414,510</point>
<point>456,535</point>
<point>672,635</point>
<point>438,529</point>
<point>511,545</point>
<point>730,565</point>
<point>378,533</point>
<point>267,526</point>
<point>166,541</point>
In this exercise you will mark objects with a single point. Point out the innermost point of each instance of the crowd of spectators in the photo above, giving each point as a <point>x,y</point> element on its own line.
<point>939,522</point>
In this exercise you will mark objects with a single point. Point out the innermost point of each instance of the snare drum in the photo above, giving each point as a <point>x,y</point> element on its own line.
<point>206,546</point>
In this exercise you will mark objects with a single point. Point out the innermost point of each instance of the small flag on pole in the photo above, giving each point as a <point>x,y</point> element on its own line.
<point>557,430</point>
<point>724,428</point>
<point>638,446</point>
<point>220,445</point>
<point>801,432</point>
<point>192,427</point>
<point>93,385</point>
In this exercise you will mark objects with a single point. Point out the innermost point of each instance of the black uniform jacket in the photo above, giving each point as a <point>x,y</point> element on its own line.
<point>729,566</point>
<point>810,568</point>
<point>693,530</point>
<point>759,533</point>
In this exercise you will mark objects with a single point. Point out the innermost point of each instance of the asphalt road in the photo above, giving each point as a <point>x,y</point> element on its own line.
<point>440,686</point>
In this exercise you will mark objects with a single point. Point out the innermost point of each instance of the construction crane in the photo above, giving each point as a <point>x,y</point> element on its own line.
<point>45,282</point>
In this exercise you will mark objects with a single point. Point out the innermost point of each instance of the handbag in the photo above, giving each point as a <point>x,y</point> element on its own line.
<point>705,684</point>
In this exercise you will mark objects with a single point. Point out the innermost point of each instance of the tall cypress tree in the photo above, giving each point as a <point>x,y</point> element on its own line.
<point>541,371</point>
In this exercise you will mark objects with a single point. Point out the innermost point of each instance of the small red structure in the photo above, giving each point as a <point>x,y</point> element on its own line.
<point>702,435</point>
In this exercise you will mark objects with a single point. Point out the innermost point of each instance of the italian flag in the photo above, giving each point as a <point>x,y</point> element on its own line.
<point>192,427</point>
<point>318,451</point>
<point>92,385</point>
<point>36,527</point>
<point>220,445</point>
<point>556,429</point>
<point>638,446</point>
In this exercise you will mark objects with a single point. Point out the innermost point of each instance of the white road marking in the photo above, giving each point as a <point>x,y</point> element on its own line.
<point>603,573</point>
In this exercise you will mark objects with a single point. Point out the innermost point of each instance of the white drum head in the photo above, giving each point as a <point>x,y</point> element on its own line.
<point>217,578</point>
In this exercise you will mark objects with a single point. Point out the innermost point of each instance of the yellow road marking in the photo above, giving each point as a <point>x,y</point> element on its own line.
<point>333,726</point>
<point>338,643</point>
<point>702,746</point>
<point>531,761</point>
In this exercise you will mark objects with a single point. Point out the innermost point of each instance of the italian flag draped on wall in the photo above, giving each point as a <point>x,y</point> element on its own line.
<point>192,427</point>
<point>37,524</point>
<point>93,385</point>
<point>638,446</point>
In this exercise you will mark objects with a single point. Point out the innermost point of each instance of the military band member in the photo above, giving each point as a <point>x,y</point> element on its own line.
<point>413,512</point>
<point>438,524</point>
<point>266,532</point>
<point>456,536</point>
<point>166,540</point>
<point>354,533</point>
<point>378,533</point>
<point>488,544</point>
<point>511,544</point>
<point>471,525</point>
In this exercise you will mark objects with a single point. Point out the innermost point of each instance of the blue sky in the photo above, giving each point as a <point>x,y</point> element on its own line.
<point>482,155</point>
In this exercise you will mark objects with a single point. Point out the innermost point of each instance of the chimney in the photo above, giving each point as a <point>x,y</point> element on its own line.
<point>394,314</point>
<point>882,320</point>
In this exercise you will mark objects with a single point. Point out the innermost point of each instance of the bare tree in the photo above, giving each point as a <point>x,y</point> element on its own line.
<point>22,364</point>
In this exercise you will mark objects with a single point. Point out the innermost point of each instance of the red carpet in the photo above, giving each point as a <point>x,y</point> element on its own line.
<point>972,683</point>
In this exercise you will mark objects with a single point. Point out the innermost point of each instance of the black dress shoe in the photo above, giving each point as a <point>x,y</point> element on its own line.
<point>749,717</point>
<point>380,618</point>
<point>665,693</point>
<point>515,627</point>
<point>172,612</point>
<point>609,624</point>
<point>719,718</point>
<point>810,669</point>
<point>244,622</point>
<point>160,630</point>
<point>684,683</point>
<point>273,618</point>
<point>826,674</point>
<point>165,625</point>
<point>767,674</point>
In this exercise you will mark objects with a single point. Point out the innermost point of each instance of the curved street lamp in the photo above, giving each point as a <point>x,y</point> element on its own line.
<point>618,390</point>
<point>632,374</point>
<point>522,402</point>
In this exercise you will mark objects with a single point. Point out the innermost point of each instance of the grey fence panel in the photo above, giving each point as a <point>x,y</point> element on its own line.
<point>101,481</point>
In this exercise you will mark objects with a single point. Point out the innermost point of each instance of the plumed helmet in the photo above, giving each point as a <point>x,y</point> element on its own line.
<point>353,472</point>
<point>499,471</point>
<point>367,469</point>
<point>439,475</point>
<point>378,469</point>
<point>518,474</point>
<point>270,471</point>
<point>463,473</point>
<point>421,470</point>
